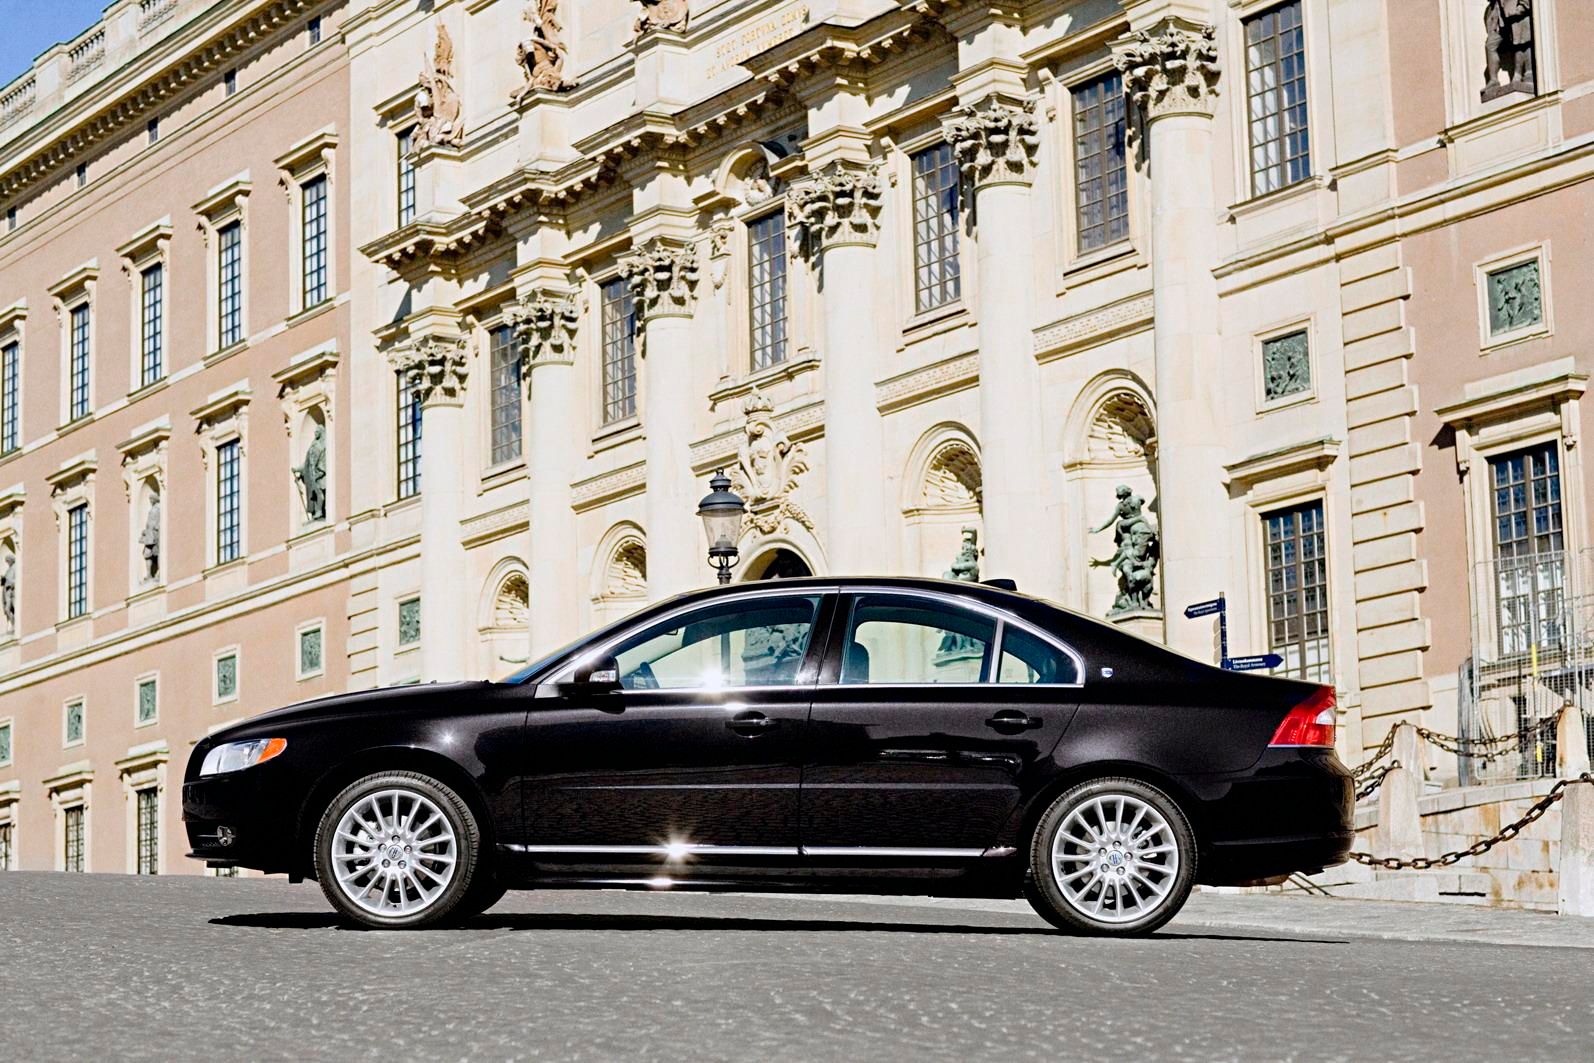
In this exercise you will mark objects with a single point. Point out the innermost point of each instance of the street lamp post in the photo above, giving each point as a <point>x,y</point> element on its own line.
<point>722,511</point>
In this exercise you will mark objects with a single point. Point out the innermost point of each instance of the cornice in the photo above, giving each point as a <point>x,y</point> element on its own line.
<point>221,404</point>
<point>145,439</point>
<point>1316,454</point>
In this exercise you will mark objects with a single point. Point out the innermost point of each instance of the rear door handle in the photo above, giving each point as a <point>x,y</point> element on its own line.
<point>1012,721</point>
<point>749,724</point>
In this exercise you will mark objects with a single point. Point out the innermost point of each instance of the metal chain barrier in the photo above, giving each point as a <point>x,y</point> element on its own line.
<point>1509,831</point>
<point>1376,781</point>
<point>1378,754</point>
<point>1484,750</point>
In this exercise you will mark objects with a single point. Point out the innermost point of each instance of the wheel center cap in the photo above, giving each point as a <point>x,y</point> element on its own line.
<point>393,853</point>
<point>1115,858</point>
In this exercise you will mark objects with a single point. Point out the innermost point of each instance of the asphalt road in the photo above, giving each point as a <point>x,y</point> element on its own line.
<point>109,967</point>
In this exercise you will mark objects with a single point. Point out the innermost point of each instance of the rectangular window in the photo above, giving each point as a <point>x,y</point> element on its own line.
<point>152,307</point>
<point>1275,61</point>
<point>229,503</point>
<point>505,397</point>
<point>148,834</point>
<point>5,744</point>
<point>11,219</point>
<point>229,83</point>
<point>78,363</point>
<point>5,846</point>
<point>766,267</point>
<point>1297,591</point>
<point>226,677</point>
<point>315,30</point>
<point>409,622</point>
<point>148,702</point>
<point>315,241</point>
<point>73,724</point>
<point>72,839</point>
<point>310,660</point>
<point>619,351</point>
<point>10,397</point>
<point>82,174</point>
<point>406,177</point>
<point>77,560</point>
<point>1101,170</point>
<point>1529,545</point>
<point>230,285</point>
<point>152,130</point>
<point>937,201</point>
<point>409,438</point>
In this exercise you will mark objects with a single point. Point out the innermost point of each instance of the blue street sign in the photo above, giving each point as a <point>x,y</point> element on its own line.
<point>1201,609</point>
<point>1254,663</point>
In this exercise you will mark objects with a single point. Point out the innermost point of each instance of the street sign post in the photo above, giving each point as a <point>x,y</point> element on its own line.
<point>1255,663</point>
<point>1220,606</point>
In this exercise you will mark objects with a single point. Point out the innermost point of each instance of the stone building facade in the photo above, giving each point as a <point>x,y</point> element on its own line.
<point>462,303</point>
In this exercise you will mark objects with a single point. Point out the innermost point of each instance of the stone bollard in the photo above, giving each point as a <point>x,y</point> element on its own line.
<point>1399,830</point>
<point>1571,743</point>
<point>1575,889</point>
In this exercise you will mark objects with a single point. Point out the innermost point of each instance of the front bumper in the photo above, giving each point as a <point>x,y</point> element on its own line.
<point>233,820</point>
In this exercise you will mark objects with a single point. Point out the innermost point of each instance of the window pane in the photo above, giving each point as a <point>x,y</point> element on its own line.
<point>406,177</point>
<point>229,510</point>
<point>937,200</point>
<point>748,643</point>
<point>1101,185</point>
<point>1275,55</point>
<point>766,244</point>
<point>77,561</point>
<point>229,285</point>
<point>148,831</point>
<point>619,351</point>
<point>409,438</point>
<point>72,840</point>
<point>1297,585</point>
<point>1027,659</point>
<point>78,400</point>
<point>10,398</point>
<point>315,241</point>
<point>505,395</point>
<point>900,640</point>
<point>153,300</point>
<point>1529,545</point>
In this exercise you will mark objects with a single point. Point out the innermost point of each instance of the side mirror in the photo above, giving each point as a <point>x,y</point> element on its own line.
<point>601,676</point>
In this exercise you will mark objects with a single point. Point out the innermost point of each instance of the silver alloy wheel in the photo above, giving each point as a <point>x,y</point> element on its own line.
<point>1115,858</point>
<point>394,852</point>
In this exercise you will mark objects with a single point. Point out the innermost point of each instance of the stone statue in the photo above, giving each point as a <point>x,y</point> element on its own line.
<point>1134,563</point>
<point>1508,48</point>
<point>8,594</point>
<point>966,569</point>
<point>149,540</point>
<point>311,477</point>
<point>662,15</point>
<point>542,54</point>
<point>436,103</point>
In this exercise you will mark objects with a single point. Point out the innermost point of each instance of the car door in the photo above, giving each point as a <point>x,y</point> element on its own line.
<point>698,751</point>
<point>931,715</point>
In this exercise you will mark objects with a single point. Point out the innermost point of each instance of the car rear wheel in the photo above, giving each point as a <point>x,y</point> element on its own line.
<point>398,849</point>
<point>1111,857</point>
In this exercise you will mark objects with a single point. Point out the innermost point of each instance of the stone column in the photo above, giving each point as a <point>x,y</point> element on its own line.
<point>545,323</point>
<point>437,369</point>
<point>836,213</point>
<point>663,277</point>
<point>1171,75</point>
<point>996,141</point>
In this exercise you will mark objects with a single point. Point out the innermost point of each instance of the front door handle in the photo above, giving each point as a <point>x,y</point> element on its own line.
<point>749,724</point>
<point>1011,721</point>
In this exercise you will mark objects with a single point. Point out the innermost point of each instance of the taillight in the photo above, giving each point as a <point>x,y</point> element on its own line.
<point>1311,723</point>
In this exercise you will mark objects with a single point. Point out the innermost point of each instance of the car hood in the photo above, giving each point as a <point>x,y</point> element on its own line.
<point>437,697</point>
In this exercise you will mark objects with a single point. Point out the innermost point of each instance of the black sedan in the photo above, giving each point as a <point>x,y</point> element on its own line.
<point>899,736</point>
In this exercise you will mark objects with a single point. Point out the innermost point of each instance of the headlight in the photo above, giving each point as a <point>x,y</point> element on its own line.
<point>233,756</point>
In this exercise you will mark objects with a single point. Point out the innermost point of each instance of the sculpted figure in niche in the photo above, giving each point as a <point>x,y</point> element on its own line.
<point>149,540</point>
<point>1134,563</point>
<point>8,594</point>
<point>662,15</point>
<point>542,54</point>
<point>1507,48</point>
<point>437,104</point>
<point>311,477</point>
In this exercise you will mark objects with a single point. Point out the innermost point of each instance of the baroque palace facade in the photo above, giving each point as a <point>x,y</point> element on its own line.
<point>359,342</point>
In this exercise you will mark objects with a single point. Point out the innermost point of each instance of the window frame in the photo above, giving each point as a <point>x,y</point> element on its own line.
<point>11,407</point>
<point>1259,343</point>
<point>230,331</point>
<point>1244,99</point>
<point>780,278</point>
<point>152,325</point>
<point>77,572</point>
<point>1264,515</point>
<point>315,243</point>
<point>405,203</point>
<point>407,437</point>
<point>151,836</point>
<point>79,348</point>
<point>912,153</point>
<point>496,391</point>
<point>1078,250</point>
<point>229,525</point>
<point>611,414</point>
<point>1538,253</point>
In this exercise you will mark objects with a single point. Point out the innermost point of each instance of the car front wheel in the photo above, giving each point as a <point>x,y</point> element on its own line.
<point>1111,857</point>
<point>397,850</point>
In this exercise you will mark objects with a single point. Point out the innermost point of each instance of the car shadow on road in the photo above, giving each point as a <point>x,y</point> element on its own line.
<point>631,923</point>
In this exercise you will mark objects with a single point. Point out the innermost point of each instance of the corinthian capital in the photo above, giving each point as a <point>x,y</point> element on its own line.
<point>545,325</point>
<point>995,142</point>
<point>1171,70</point>
<point>662,277</point>
<point>837,206</point>
<point>436,367</point>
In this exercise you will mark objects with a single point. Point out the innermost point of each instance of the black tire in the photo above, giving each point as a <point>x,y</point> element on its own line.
<point>1047,896</point>
<point>468,868</point>
<point>486,892</point>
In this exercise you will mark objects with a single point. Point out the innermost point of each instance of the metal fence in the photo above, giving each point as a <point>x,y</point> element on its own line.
<point>1532,652</point>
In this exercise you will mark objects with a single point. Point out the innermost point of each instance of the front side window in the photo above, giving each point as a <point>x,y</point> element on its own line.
<point>406,177</point>
<point>314,229</point>
<point>937,201</point>
<point>505,397</point>
<point>909,641</point>
<point>409,437</point>
<point>148,833</point>
<point>1101,171</point>
<point>10,397</point>
<point>229,502</point>
<point>619,351</point>
<point>1275,62</point>
<point>230,285</point>
<point>77,561</point>
<point>766,266</point>
<point>72,839</point>
<point>152,346</point>
<point>1529,548</point>
<point>1297,591</point>
<point>749,643</point>
<point>78,363</point>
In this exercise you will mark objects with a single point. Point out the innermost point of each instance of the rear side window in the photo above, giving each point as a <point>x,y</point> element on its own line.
<point>907,641</point>
<point>753,642</point>
<point>1027,659</point>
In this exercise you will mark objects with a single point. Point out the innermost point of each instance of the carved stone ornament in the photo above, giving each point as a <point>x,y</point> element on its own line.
<point>663,15</point>
<point>542,54</point>
<point>768,465</point>
<point>437,104</point>
<point>436,367</point>
<point>663,278</point>
<point>995,142</point>
<point>837,206</point>
<point>1173,70</point>
<point>545,323</point>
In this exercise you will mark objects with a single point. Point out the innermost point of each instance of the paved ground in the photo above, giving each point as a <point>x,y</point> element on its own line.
<point>109,967</point>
